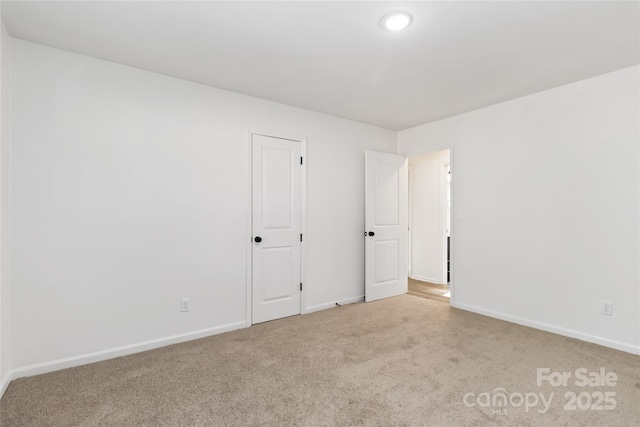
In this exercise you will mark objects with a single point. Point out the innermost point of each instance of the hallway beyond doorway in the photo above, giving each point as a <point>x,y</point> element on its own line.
<point>428,290</point>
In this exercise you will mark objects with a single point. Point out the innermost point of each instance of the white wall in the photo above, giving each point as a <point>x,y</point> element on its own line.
<point>130,191</point>
<point>428,216</point>
<point>5,134</point>
<point>548,189</point>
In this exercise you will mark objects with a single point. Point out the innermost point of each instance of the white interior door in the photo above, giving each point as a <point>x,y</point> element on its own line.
<point>276,228</point>
<point>386,222</point>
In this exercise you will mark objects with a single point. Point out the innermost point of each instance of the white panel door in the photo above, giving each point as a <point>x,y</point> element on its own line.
<point>276,228</point>
<point>386,225</point>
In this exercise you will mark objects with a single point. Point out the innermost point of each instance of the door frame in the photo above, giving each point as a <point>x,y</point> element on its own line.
<point>443,212</point>
<point>451,148</point>
<point>249,215</point>
<point>410,217</point>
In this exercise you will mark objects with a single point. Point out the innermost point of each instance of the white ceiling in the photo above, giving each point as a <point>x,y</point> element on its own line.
<point>333,57</point>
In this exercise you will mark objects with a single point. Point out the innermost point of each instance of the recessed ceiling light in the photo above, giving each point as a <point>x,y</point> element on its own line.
<point>396,21</point>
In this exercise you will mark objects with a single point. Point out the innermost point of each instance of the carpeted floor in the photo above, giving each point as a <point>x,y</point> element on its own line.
<point>400,361</point>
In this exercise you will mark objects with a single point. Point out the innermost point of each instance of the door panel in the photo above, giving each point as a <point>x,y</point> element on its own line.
<point>276,221</point>
<point>387,204</point>
<point>387,268</point>
<point>386,221</point>
<point>277,196</point>
<point>277,264</point>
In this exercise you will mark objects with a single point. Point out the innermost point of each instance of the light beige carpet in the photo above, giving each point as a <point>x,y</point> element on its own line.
<point>400,361</point>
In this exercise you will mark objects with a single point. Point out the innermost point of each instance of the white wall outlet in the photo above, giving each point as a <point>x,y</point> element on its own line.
<point>184,304</point>
<point>606,307</point>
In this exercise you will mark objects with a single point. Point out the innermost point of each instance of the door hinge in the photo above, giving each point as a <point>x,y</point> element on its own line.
<point>300,160</point>
<point>300,286</point>
<point>301,237</point>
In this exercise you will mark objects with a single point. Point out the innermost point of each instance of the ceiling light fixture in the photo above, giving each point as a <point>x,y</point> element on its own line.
<point>396,21</point>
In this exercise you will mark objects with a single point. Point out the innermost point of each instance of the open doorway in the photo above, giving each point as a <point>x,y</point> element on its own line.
<point>430,225</point>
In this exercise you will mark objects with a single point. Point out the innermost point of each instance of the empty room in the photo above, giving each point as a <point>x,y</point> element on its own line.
<point>305,213</point>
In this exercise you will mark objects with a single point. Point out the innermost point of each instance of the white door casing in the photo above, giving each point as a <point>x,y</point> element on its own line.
<point>386,225</point>
<point>276,228</point>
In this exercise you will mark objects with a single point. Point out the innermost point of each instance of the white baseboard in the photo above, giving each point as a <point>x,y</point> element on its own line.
<point>426,279</point>
<point>84,359</point>
<point>4,383</point>
<point>333,304</point>
<point>629,348</point>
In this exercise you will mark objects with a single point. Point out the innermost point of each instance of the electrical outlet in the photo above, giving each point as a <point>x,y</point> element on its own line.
<point>184,304</point>
<point>606,307</point>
